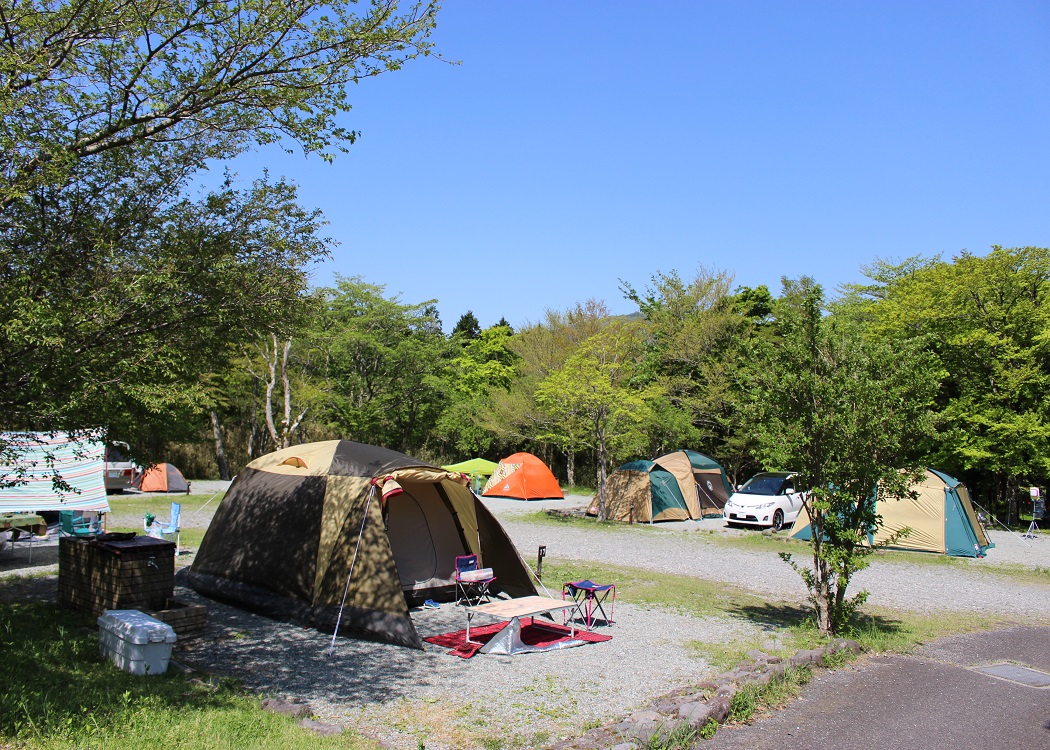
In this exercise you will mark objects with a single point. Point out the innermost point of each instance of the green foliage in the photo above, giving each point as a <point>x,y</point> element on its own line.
<point>698,332</point>
<point>593,401</point>
<point>383,365</point>
<point>195,81</point>
<point>118,303</point>
<point>847,413</point>
<point>987,321</point>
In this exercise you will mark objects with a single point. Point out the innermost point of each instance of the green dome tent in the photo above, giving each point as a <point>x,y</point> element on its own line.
<point>476,468</point>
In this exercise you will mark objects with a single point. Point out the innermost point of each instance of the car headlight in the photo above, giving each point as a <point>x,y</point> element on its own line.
<point>763,506</point>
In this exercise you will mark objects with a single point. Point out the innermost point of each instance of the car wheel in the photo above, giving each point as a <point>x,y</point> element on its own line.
<point>778,520</point>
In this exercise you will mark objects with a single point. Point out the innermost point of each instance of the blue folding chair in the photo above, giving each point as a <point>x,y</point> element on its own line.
<point>593,595</point>
<point>472,583</point>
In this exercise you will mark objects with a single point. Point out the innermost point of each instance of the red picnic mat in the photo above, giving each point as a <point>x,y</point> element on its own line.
<point>540,634</point>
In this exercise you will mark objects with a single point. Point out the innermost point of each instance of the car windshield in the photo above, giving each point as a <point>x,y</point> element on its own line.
<point>764,485</point>
<point>114,456</point>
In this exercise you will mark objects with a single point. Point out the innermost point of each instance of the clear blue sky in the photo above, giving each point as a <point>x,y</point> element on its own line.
<point>579,143</point>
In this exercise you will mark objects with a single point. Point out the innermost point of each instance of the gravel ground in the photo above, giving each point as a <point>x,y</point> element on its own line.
<point>403,697</point>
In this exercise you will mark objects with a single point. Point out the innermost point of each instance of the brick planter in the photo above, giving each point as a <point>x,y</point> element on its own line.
<point>96,575</point>
<point>184,618</point>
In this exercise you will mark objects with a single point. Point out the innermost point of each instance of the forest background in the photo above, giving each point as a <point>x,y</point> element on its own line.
<point>187,326</point>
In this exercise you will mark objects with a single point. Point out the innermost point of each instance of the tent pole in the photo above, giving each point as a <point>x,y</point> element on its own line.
<point>353,562</point>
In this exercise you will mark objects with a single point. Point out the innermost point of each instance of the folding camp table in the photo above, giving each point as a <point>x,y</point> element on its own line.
<point>31,524</point>
<point>526,606</point>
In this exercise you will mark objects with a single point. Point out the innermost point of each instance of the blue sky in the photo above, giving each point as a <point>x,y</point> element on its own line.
<point>580,143</point>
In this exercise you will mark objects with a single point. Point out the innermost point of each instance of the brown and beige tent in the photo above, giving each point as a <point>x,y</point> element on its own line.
<point>300,526</point>
<point>678,486</point>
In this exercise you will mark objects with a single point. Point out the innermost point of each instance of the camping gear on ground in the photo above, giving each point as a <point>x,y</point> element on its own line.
<point>667,488</point>
<point>941,519</point>
<point>477,469</point>
<point>115,571</point>
<point>346,537</point>
<point>591,595</point>
<point>135,642</point>
<point>542,636</point>
<point>163,529</point>
<point>515,609</point>
<point>162,478</point>
<point>522,476</point>
<point>21,526</point>
<point>472,582</point>
<point>41,456</point>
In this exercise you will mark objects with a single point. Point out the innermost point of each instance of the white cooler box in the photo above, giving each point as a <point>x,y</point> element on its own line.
<point>135,642</point>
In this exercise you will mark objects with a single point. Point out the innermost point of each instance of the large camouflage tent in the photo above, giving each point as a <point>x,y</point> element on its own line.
<point>300,526</point>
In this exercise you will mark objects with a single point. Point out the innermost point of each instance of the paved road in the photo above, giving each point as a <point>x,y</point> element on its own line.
<point>932,699</point>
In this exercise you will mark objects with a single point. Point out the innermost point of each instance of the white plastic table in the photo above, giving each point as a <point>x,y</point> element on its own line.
<point>525,606</point>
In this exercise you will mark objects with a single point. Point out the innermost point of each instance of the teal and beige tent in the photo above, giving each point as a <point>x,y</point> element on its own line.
<point>477,469</point>
<point>941,519</point>
<point>678,486</point>
<point>703,475</point>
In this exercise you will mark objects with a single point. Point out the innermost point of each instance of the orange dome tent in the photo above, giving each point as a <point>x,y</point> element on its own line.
<point>523,477</point>
<point>163,478</point>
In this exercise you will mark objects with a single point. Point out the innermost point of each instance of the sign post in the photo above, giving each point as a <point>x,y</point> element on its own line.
<point>1038,511</point>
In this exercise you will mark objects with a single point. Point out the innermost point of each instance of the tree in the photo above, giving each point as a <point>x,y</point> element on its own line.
<point>543,349</point>
<point>847,412</point>
<point>195,81</point>
<point>118,303</point>
<point>593,395</point>
<point>468,327</point>
<point>384,365</point>
<point>484,366</point>
<point>697,336</point>
<point>986,319</point>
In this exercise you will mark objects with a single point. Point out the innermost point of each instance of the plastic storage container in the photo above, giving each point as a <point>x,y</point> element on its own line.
<point>135,642</point>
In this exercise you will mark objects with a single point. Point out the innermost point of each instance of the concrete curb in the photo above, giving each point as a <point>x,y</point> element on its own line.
<point>695,706</point>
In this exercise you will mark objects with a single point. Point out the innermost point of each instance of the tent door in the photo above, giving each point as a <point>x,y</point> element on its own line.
<point>423,538</point>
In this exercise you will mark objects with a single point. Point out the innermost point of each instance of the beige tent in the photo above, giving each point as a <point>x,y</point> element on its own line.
<point>941,519</point>
<point>301,526</point>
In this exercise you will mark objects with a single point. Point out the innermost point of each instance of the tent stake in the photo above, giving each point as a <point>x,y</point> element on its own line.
<point>360,535</point>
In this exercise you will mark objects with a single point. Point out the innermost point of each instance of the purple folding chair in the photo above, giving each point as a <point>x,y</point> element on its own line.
<point>594,596</point>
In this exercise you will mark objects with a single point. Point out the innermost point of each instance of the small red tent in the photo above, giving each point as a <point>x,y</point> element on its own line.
<point>523,477</point>
<point>163,478</point>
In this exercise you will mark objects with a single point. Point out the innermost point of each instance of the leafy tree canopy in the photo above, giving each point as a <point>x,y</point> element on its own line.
<point>198,80</point>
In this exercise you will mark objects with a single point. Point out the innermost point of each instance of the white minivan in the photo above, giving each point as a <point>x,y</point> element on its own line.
<point>767,499</point>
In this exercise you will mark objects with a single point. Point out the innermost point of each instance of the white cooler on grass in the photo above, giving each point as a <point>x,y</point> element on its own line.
<point>135,642</point>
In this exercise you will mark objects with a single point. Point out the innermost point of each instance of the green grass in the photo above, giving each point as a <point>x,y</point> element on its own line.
<point>126,507</point>
<point>57,692</point>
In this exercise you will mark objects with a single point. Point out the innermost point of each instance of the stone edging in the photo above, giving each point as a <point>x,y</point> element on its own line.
<point>697,705</point>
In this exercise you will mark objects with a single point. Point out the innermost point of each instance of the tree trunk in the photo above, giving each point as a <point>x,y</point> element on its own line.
<point>570,467</point>
<point>220,447</point>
